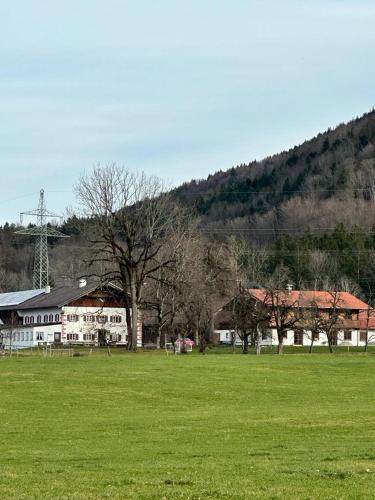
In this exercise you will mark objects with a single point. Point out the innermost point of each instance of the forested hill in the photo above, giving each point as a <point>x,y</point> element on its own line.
<point>327,180</point>
<point>311,209</point>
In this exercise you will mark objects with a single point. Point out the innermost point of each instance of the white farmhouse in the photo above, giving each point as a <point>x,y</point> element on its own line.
<point>357,319</point>
<point>82,314</point>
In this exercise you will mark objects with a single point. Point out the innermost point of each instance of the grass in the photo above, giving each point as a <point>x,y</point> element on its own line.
<point>151,426</point>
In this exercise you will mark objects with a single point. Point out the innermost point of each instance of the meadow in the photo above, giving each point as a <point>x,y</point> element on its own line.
<point>192,427</point>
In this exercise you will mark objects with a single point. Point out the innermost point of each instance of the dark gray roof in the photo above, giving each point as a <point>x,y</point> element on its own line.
<point>57,297</point>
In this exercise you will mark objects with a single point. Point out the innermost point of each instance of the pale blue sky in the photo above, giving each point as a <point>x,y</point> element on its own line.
<point>179,89</point>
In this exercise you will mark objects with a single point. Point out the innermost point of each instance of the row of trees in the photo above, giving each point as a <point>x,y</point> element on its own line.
<point>252,318</point>
<point>334,171</point>
<point>147,243</point>
<point>144,241</point>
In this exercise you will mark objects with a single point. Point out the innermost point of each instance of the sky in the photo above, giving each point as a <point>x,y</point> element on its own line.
<point>178,89</point>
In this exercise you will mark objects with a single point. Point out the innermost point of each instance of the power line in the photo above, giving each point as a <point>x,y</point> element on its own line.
<point>303,232</point>
<point>27,195</point>
<point>280,191</point>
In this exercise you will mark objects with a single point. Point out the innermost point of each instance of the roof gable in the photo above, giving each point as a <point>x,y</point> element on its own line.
<point>56,298</point>
<point>309,298</point>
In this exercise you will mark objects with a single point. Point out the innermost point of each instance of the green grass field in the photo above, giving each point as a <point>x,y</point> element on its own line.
<point>193,426</point>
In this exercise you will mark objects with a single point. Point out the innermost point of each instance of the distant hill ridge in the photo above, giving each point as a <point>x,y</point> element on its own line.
<point>327,180</point>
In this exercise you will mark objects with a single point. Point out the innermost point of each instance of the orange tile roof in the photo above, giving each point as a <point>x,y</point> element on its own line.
<point>305,298</point>
<point>364,317</point>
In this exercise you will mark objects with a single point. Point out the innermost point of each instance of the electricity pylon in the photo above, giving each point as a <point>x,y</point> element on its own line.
<point>42,233</point>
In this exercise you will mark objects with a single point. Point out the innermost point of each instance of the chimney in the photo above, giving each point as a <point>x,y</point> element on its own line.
<point>82,283</point>
<point>47,289</point>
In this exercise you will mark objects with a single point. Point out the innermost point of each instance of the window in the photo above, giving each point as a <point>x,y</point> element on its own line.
<point>21,336</point>
<point>116,319</point>
<point>57,318</point>
<point>316,336</point>
<point>347,335</point>
<point>72,336</point>
<point>363,336</point>
<point>26,320</point>
<point>45,318</point>
<point>102,319</point>
<point>39,318</point>
<point>348,314</point>
<point>89,336</point>
<point>50,318</point>
<point>89,318</point>
<point>72,317</point>
<point>31,337</point>
<point>39,336</point>
<point>31,319</point>
<point>298,338</point>
<point>285,335</point>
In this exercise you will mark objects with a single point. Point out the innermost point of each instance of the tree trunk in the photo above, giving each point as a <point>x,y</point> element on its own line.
<point>252,339</point>
<point>202,342</point>
<point>245,348</point>
<point>234,335</point>
<point>330,345</point>
<point>159,328</point>
<point>134,304</point>
<point>257,340</point>
<point>311,346</point>
<point>280,346</point>
<point>128,322</point>
<point>258,347</point>
<point>158,338</point>
<point>196,337</point>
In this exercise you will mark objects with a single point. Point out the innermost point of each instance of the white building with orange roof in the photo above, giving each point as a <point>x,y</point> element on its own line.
<point>350,311</point>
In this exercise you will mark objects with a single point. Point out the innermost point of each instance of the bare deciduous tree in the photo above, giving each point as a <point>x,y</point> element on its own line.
<point>208,284</point>
<point>249,316</point>
<point>313,323</point>
<point>285,313</point>
<point>131,218</point>
<point>332,320</point>
<point>284,305</point>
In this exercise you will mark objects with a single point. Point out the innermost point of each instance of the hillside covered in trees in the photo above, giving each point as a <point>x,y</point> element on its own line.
<point>327,180</point>
<point>310,210</point>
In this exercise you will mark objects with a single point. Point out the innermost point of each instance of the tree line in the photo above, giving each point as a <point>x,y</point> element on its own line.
<point>134,232</point>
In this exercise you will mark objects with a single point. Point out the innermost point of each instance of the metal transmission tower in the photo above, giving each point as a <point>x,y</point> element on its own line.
<point>42,233</point>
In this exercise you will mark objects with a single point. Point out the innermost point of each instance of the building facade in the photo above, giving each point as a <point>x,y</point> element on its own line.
<point>355,319</point>
<point>83,314</point>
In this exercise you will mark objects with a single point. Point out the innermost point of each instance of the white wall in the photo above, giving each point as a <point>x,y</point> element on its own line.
<point>30,336</point>
<point>40,312</point>
<point>82,328</point>
<point>225,338</point>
